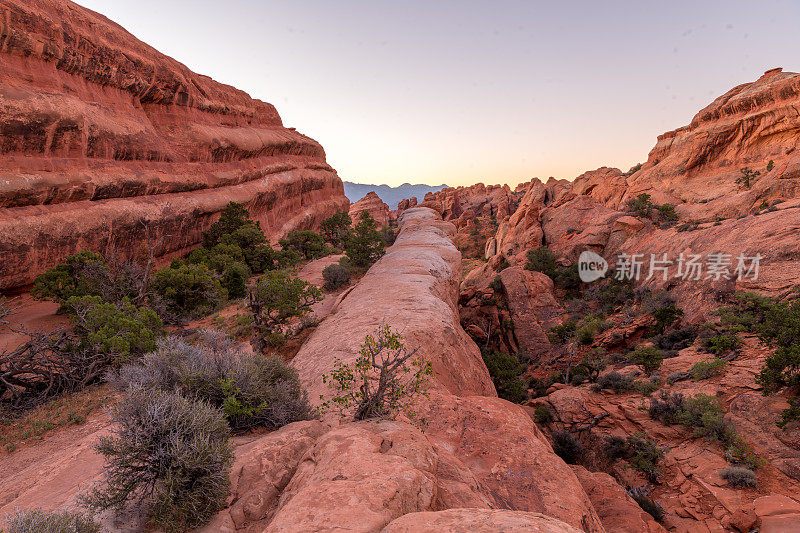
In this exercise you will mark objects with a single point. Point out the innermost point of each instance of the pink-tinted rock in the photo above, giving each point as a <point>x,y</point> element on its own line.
<point>359,478</point>
<point>104,136</point>
<point>478,521</point>
<point>372,204</point>
<point>618,511</point>
<point>533,306</point>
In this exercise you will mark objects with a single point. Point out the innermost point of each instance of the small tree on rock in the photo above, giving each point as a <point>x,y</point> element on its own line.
<point>276,299</point>
<point>383,381</point>
<point>747,177</point>
<point>365,245</point>
<point>335,227</point>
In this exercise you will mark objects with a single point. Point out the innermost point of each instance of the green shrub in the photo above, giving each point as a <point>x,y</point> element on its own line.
<point>189,290</point>
<point>615,381</point>
<point>739,453</point>
<point>747,176</point>
<point>496,284</point>
<point>610,293</point>
<point>309,244</point>
<point>79,275</point>
<point>122,329</point>
<point>565,278</point>
<point>252,390</point>
<point>234,279</point>
<point>567,446</point>
<point>770,165</point>
<point>563,332</point>
<point>666,408</point>
<point>543,415</point>
<point>665,316</point>
<point>505,371</point>
<point>778,325</point>
<point>542,260</point>
<point>704,415</point>
<point>364,245</point>
<point>172,452</point>
<point>385,379</point>
<point>645,388</point>
<point>722,343</point>
<point>707,369</point>
<point>675,340</point>
<point>335,227</point>
<point>39,521</point>
<point>335,276</point>
<point>389,235</point>
<point>540,385</point>
<point>641,452</point>
<point>276,299</point>
<point>791,413</point>
<point>588,327</point>
<point>739,476</point>
<point>666,212</point>
<point>649,357</point>
<point>641,206</point>
<point>232,217</point>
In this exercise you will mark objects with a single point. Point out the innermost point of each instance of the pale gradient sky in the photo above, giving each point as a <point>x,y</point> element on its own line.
<point>464,91</point>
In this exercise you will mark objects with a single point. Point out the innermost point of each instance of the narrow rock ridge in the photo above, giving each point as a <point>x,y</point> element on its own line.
<point>479,451</point>
<point>103,135</point>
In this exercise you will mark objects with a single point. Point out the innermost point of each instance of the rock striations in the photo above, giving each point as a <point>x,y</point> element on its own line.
<point>102,136</point>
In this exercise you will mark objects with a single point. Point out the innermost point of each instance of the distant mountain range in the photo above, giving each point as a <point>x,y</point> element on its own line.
<point>390,195</point>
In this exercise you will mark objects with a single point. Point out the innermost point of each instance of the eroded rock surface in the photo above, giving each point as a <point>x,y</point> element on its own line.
<point>372,204</point>
<point>103,136</point>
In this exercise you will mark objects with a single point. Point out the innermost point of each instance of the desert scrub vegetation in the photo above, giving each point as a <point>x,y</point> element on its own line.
<point>336,227</point>
<point>707,369</point>
<point>277,299</point>
<point>364,244</point>
<point>335,277</point>
<point>65,360</point>
<point>307,244</point>
<point>614,381</point>
<point>384,381</point>
<point>39,521</point>
<point>543,415</point>
<point>506,372</point>
<point>643,207</point>
<point>777,325</point>
<point>641,452</point>
<point>567,446</point>
<point>564,277</point>
<point>167,453</point>
<point>189,290</point>
<point>739,476</point>
<point>252,390</point>
<point>705,417</point>
<point>649,357</point>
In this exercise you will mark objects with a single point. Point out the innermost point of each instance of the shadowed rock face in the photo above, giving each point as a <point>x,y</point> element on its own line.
<point>102,135</point>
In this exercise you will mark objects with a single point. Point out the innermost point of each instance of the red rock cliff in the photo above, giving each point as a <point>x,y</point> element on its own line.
<point>101,135</point>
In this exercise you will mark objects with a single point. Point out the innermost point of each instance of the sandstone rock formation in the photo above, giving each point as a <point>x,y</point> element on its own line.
<point>372,204</point>
<point>462,204</point>
<point>103,136</point>
<point>461,460</point>
<point>481,461</point>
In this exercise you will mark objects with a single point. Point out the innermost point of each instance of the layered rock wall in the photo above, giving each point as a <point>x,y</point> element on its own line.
<point>102,136</point>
